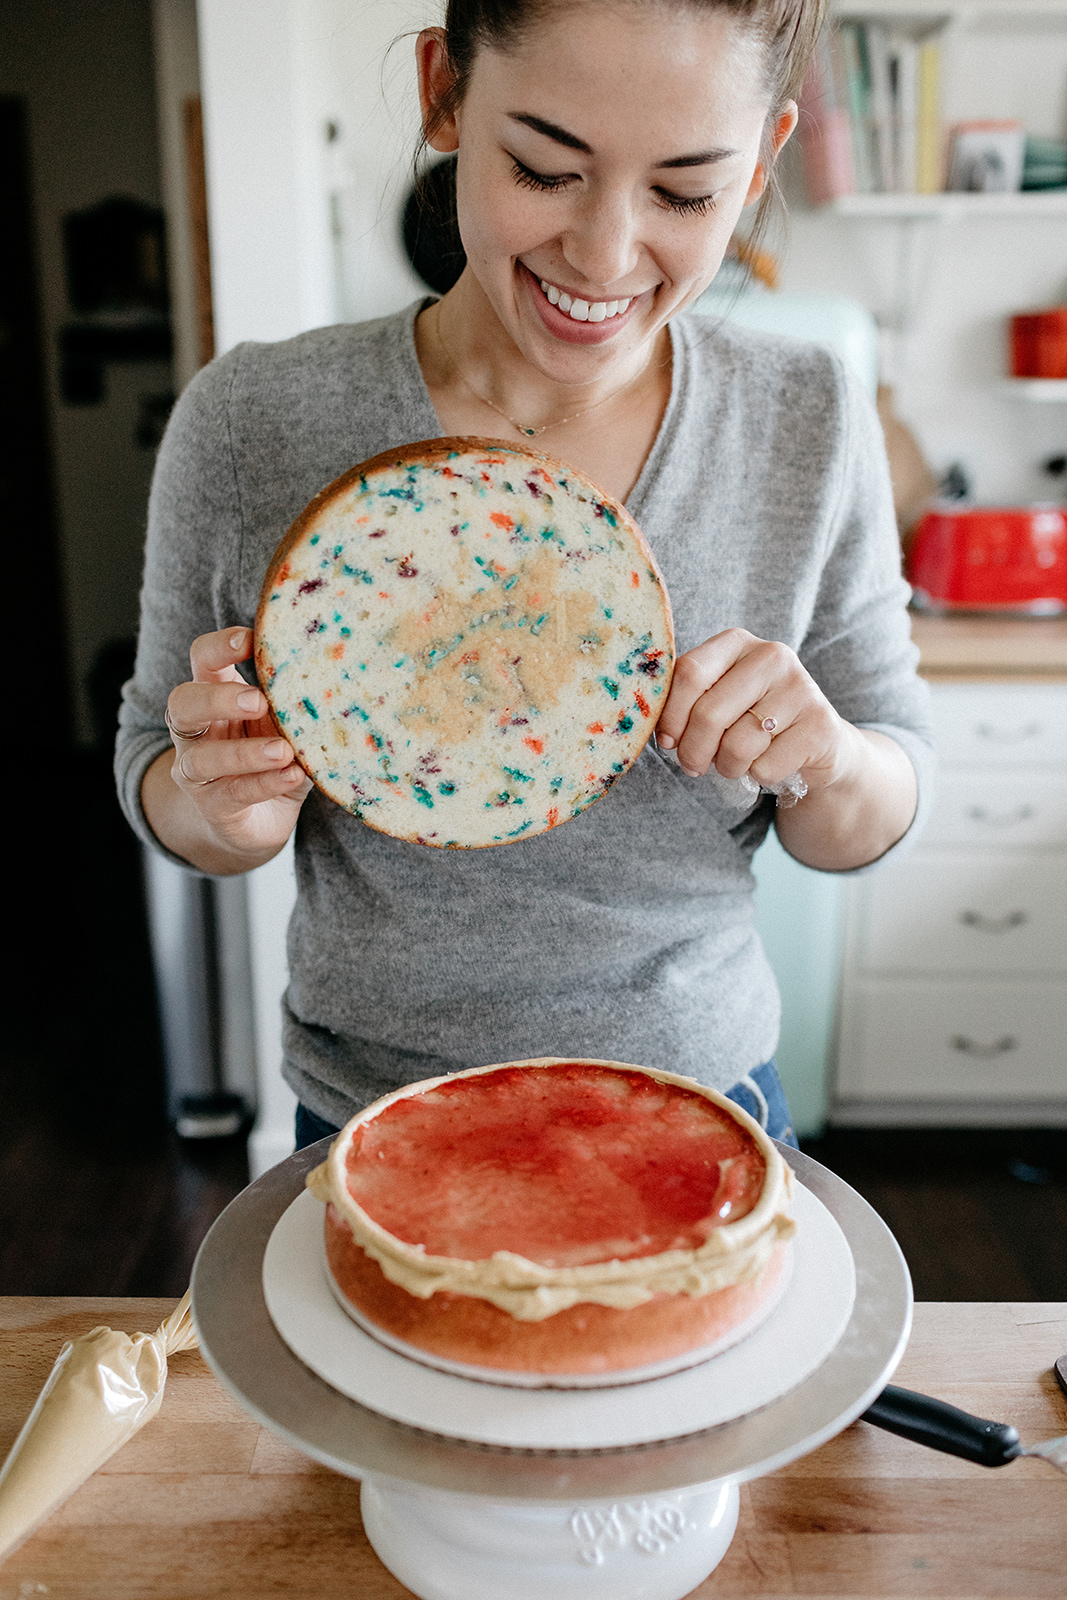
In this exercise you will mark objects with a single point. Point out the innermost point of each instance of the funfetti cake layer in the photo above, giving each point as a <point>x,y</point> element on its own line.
<point>465,643</point>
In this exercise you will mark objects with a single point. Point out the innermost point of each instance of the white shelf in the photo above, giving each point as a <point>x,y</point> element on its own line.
<point>1054,389</point>
<point>998,13</point>
<point>951,207</point>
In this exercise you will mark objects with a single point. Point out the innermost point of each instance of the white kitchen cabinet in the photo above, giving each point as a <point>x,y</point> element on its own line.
<point>953,1003</point>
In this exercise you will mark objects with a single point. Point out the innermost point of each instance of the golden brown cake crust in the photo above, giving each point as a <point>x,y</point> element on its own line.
<point>581,1339</point>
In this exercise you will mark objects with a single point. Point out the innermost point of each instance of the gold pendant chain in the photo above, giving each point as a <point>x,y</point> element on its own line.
<point>558,422</point>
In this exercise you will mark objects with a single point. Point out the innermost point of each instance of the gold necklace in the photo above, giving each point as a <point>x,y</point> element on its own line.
<point>559,422</point>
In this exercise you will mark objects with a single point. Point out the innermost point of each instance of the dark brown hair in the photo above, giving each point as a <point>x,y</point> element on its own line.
<point>786,29</point>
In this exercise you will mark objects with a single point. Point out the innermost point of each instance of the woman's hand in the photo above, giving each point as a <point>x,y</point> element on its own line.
<point>227,798</point>
<point>744,704</point>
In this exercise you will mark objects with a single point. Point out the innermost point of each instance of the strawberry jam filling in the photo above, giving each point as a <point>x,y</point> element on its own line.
<point>565,1165</point>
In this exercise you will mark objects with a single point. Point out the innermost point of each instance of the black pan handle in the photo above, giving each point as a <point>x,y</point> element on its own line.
<point>932,1422</point>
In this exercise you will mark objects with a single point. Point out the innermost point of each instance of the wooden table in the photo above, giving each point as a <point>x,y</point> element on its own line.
<point>999,648</point>
<point>204,1502</point>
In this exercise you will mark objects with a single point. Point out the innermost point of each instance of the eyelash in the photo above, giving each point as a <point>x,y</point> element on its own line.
<point>550,183</point>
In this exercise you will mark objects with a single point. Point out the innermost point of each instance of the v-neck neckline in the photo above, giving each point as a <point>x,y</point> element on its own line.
<point>653,461</point>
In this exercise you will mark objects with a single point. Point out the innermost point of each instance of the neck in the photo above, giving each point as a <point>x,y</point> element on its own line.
<point>462,343</point>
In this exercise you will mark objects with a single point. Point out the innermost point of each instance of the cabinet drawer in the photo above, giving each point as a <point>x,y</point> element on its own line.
<point>999,810</point>
<point>940,912</point>
<point>1001,724</point>
<point>953,1041</point>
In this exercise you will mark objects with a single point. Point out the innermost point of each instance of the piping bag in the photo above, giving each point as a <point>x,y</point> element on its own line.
<point>103,1387</point>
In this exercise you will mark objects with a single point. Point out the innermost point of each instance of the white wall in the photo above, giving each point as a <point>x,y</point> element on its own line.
<point>177,63</point>
<point>304,228</point>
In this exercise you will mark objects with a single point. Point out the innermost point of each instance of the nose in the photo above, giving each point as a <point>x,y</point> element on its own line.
<point>601,239</point>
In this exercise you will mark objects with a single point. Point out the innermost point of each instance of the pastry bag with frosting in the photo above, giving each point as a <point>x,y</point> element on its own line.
<point>103,1387</point>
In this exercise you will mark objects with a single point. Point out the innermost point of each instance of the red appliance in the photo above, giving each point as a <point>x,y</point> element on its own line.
<point>991,559</point>
<point>1039,344</point>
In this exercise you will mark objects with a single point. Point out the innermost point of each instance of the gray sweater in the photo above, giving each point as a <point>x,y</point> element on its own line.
<point>628,933</point>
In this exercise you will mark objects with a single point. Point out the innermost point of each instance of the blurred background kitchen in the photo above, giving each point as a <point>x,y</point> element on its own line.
<point>179,176</point>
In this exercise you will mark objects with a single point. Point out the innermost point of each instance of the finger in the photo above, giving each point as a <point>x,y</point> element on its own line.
<point>219,759</point>
<point>740,745</point>
<point>812,746</point>
<point>214,656</point>
<point>194,705</point>
<point>726,725</point>
<point>225,798</point>
<point>694,674</point>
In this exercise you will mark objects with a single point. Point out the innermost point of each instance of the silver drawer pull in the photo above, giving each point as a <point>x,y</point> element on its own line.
<point>983,1052</point>
<point>1004,924</point>
<point>1027,730</point>
<point>1001,819</point>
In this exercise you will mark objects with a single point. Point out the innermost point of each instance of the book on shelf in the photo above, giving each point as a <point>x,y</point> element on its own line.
<point>870,111</point>
<point>823,130</point>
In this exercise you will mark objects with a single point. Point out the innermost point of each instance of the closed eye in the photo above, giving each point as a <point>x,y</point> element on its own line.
<point>545,182</point>
<point>686,205</point>
<point>551,182</point>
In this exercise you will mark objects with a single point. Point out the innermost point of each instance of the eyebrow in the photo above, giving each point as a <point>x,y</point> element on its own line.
<point>700,158</point>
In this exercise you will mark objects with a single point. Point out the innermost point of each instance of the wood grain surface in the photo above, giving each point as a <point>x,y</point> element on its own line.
<point>991,648</point>
<point>204,1502</point>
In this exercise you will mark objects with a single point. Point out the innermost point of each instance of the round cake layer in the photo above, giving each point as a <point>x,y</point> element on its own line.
<point>578,1341</point>
<point>466,643</point>
<point>567,1167</point>
<point>492,1218</point>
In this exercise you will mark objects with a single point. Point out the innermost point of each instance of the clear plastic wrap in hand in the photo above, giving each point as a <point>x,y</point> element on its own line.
<point>743,792</point>
<point>103,1387</point>
<point>787,792</point>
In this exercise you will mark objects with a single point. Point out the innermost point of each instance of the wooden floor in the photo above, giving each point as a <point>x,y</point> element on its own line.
<point>97,1196</point>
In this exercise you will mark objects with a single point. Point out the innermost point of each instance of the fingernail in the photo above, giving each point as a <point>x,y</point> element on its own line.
<point>249,700</point>
<point>665,741</point>
<point>294,774</point>
<point>690,772</point>
<point>276,749</point>
<point>238,639</point>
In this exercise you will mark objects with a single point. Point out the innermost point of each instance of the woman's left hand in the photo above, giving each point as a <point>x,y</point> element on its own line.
<point>744,704</point>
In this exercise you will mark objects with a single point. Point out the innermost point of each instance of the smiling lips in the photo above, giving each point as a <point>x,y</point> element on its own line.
<point>583,310</point>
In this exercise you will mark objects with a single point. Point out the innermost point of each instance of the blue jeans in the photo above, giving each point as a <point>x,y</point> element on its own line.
<point>760,1093</point>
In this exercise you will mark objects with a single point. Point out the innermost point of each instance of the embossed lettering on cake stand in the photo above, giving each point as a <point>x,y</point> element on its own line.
<point>458,1547</point>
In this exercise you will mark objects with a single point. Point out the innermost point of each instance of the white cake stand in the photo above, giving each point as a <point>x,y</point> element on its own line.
<point>460,1521</point>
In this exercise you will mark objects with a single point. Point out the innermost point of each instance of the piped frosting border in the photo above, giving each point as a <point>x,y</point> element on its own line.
<point>736,1252</point>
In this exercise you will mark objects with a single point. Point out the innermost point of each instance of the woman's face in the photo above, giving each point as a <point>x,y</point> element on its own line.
<point>603,164</point>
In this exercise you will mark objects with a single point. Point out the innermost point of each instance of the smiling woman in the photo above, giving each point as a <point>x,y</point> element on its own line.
<point>595,202</point>
<point>605,150</point>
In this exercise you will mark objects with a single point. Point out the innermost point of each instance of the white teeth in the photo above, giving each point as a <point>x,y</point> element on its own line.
<point>583,310</point>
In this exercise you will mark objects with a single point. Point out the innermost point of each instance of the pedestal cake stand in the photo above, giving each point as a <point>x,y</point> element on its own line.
<point>458,1519</point>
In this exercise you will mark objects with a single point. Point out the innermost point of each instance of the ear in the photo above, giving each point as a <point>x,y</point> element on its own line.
<point>435,79</point>
<point>775,138</point>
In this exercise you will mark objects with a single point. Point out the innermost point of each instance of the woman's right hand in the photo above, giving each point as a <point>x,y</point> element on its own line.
<point>239,774</point>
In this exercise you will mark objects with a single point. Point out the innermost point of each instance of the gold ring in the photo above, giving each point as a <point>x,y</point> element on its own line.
<point>768,724</point>
<point>197,783</point>
<point>180,733</point>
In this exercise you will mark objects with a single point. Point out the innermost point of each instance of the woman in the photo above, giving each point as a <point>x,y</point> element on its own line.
<point>605,152</point>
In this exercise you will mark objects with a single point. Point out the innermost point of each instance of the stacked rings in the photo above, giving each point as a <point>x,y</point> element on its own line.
<point>180,733</point>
